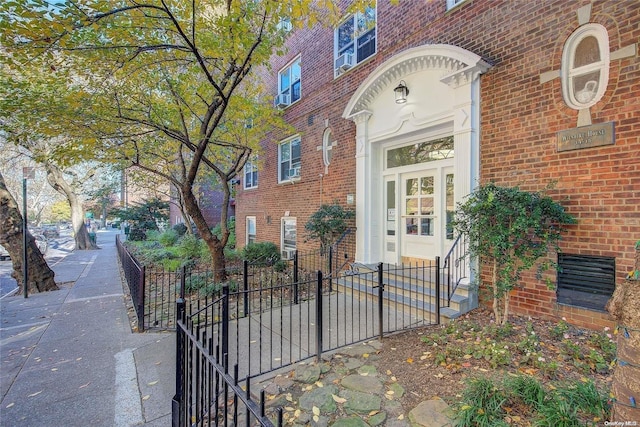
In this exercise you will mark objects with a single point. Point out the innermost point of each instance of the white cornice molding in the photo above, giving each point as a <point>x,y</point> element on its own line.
<point>459,67</point>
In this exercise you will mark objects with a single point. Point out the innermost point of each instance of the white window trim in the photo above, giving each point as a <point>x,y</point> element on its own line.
<point>251,162</point>
<point>599,32</point>
<point>281,179</point>
<point>288,68</point>
<point>336,71</point>
<point>255,226</point>
<point>454,3</point>
<point>282,221</point>
<point>328,144</point>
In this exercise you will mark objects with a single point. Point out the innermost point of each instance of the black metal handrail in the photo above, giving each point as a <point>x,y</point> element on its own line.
<point>454,266</point>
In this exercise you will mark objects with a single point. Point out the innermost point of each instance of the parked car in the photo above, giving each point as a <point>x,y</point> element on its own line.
<point>42,243</point>
<point>50,231</point>
<point>4,254</point>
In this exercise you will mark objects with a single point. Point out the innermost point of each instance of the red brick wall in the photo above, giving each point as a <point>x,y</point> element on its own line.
<point>520,118</point>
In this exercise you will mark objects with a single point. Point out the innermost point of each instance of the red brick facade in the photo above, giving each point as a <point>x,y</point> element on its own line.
<point>521,110</point>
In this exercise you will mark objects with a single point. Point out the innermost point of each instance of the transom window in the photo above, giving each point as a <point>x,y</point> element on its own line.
<point>251,173</point>
<point>355,40</point>
<point>289,160</point>
<point>422,152</point>
<point>289,84</point>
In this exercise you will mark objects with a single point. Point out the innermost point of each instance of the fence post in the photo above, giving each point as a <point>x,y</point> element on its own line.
<point>176,402</point>
<point>380,301</point>
<point>438,290</point>
<point>295,277</point>
<point>183,281</point>
<point>225,324</point>
<point>245,286</point>
<point>319,318</point>
<point>330,269</point>
<point>141,292</point>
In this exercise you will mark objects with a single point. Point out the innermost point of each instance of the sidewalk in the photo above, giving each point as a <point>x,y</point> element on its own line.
<point>69,358</point>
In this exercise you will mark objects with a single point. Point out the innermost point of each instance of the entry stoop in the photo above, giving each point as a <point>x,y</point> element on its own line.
<point>410,289</point>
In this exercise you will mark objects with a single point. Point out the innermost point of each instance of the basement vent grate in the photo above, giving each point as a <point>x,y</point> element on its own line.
<point>585,281</point>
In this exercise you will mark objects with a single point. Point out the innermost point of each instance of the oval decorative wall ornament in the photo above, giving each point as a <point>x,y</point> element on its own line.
<point>585,66</point>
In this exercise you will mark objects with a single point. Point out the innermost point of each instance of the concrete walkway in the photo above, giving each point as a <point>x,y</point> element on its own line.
<point>69,358</point>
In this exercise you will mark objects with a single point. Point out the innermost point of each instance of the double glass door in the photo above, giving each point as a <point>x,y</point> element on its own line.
<point>419,209</point>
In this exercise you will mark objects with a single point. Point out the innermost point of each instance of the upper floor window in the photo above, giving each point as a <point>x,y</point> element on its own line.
<point>355,40</point>
<point>289,80</point>
<point>251,173</point>
<point>585,66</point>
<point>453,3</point>
<point>289,159</point>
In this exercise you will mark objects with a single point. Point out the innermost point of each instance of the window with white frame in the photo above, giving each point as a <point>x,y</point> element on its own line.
<point>288,234</point>
<point>289,84</point>
<point>251,230</point>
<point>453,3</point>
<point>585,66</point>
<point>327,148</point>
<point>355,40</point>
<point>251,173</point>
<point>289,159</point>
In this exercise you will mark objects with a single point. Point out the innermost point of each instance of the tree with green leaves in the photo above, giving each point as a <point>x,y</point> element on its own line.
<point>510,231</point>
<point>328,223</point>
<point>161,85</point>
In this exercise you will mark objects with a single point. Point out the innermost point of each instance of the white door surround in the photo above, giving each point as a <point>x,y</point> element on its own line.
<point>444,99</point>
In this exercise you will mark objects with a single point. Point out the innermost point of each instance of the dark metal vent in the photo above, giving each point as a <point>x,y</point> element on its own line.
<point>585,281</point>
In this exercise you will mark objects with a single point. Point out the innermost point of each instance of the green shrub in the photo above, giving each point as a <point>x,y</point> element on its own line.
<point>168,238</point>
<point>180,229</point>
<point>153,235</point>
<point>190,247</point>
<point>231,225</point>
<point>263,253</point>
<point>137,234</point>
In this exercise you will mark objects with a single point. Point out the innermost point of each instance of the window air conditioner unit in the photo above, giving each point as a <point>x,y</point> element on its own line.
<point>288,254</point>
<point>294,173</point>
<point>282,100</point>
<point>285,25</point>
<point>344,62</point>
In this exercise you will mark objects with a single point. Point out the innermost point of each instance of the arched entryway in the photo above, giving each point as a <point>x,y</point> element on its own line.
<point>415,160</point>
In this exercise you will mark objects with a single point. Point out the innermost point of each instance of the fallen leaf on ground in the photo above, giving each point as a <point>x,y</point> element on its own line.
<point>338,399</point>
<point>153,383</point>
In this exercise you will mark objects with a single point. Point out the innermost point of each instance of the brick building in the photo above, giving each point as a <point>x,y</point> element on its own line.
<point>401,110</point>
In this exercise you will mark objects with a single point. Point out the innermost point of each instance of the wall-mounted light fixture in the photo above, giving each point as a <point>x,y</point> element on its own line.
<point>401,92</point>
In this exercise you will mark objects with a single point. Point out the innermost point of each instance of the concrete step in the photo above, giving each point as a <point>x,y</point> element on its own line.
<point>408,291</point>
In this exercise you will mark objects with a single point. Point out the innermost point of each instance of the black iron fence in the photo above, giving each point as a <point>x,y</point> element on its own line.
<point>154,290</point>
<point>134,274</point>
<point>277,324</point>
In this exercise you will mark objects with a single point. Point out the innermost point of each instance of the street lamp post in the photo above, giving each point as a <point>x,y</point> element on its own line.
<point>27,173</point>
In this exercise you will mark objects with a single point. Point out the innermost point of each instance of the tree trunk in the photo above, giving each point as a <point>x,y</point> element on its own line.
<point>40,276</point>
<point>624,306</point>
<point>215,245</point>
<point>80,233</point>
<point>496,300</point>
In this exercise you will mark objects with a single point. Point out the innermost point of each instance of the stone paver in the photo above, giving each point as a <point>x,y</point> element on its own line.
<point>347,390</point>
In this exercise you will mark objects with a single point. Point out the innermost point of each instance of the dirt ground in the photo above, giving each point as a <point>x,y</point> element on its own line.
<point>437,361</point>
